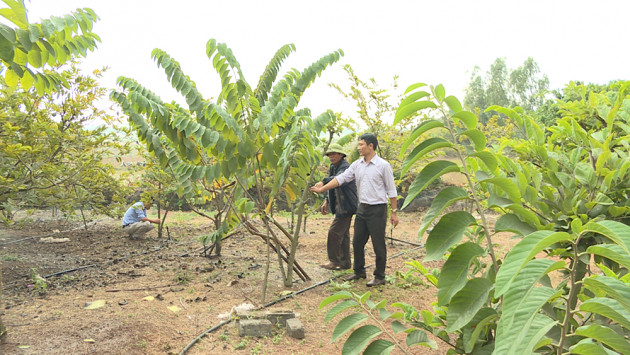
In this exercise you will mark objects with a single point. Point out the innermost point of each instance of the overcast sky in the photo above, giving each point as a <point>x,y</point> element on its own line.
<point>420,41</point>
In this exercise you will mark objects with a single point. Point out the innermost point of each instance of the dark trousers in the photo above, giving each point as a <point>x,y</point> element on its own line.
<point>370,221</point>
<point>338,244</point>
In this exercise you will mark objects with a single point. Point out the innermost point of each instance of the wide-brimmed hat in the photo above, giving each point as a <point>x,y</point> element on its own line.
<point>335,148</point>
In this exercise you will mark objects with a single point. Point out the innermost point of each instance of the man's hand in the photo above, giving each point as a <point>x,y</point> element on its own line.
<point>319,189</point>
<point>324,207</point>
<point>394,219</point>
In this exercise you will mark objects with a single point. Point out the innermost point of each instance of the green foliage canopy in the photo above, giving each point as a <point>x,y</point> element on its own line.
<point>29,50</point>
<point>48,156</point>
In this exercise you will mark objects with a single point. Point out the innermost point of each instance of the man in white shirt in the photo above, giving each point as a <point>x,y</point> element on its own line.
<point>135,223</point>
<point>375,185</point>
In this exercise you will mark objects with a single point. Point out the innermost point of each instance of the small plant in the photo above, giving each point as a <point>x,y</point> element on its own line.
<point>40,285</point>
<point>277,338</point>
<point>10,257</point>
<point>241,345</point>
<point>182,277</point>
<point>257,349</point>
<point>335,286</point>
<point>141,343</point>
<point>409,279</point>
<point>224,337</point>
<point>378,317</point>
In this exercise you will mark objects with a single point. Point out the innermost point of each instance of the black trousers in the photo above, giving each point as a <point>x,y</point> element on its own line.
<point>370,221</point>
<point>338,243</point>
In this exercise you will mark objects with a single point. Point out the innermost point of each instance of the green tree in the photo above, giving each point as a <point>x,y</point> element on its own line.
<point>49,158</point>
<point>375,113</point>
<point>256,138</point>
<point>561,198</point>
<point>27,45</point>
<point>524,86</point>
<point>29,52</point>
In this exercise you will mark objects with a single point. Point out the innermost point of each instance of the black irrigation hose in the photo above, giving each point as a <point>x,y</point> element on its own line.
<point>404,241</point>
<point>194,341</point>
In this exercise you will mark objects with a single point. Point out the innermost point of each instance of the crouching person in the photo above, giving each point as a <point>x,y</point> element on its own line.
<point>135,223</point>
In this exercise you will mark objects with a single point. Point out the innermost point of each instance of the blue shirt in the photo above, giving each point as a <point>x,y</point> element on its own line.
<point>134,214</point>
<point>375,180</point>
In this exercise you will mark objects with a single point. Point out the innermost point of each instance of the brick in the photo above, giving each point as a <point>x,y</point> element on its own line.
<point>254,327</point>
<point>295,328</point>
<point>279,316</point>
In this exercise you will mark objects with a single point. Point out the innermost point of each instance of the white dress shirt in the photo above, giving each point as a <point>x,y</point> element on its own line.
<point>375,180</point>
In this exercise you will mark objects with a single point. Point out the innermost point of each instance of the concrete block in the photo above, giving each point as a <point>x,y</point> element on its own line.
<point>279,316</point>
<point>254,327</point>
<point>295,328</point>
<point>249,315</point>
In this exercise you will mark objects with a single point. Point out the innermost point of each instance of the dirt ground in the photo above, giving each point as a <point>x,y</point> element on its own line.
<point>160,294</point>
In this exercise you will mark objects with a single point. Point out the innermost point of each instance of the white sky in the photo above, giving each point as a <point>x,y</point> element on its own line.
<point>420,41</point>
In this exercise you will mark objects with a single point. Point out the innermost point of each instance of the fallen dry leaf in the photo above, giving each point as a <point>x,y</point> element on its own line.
<point>95,305</point>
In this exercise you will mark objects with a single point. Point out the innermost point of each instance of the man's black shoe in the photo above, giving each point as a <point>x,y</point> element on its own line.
<point>376,282</point>
<point>354,277</point>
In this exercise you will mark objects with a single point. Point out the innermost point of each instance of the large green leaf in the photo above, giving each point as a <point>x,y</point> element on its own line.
<point>469,118</point>
<point>447,232</point>
<point>427,146</point>
<point>481,322</point>
<point>338,308</point>
<point>522,253</point>
<point>507,186</point>
<point>522,317</point>
<point>588,346</point>
<point>511,223</point>
<point>613,252</point>
<point>379,347</point>
<point>446,197</point>
<point>488,158</point>
<point>359,339</point>
<point>412,87</point>
<point>477,137</point>
<point>413,97</point>
<point>455,271</point>
<point>467,302</point>
<point>419,337</point>
<point>606,336</point>
<point>424,127</point>
<point>405,111</point>
<point>453,103</point>
<point>538,329</point>
<point>337,296</point>
<point>620,232</point>
<point>439,92</point>
<point>347,324</point>
<point>430,172</point>
<point>613,288</point>
<point>608,308</point>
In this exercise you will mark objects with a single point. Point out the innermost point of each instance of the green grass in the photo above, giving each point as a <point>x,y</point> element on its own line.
<point>9,257</point>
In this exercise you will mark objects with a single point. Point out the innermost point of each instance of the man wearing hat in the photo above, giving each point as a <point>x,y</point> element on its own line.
<point>343,203</point>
